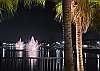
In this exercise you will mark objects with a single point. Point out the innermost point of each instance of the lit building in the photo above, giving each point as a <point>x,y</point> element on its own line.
<point>7,49</point>
<point>8,45</point>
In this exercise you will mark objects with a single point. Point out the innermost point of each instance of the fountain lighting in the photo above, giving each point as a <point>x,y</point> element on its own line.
<point>32,48</point>
<point>19,46</point>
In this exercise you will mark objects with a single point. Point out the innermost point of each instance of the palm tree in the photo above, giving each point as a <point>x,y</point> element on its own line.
<point>81,17</point>
<point>80,14</point>
<point>67,35</point>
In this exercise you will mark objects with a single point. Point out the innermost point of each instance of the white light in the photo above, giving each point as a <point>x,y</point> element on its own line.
<point>98,42</point>
<point>3,52</point>
<point>10,44</point>
<point>4,43</point>
<point>85,46</point>
<point>63,42</point>
<point>57,42</point>
<point>48,45</point>
<point>42,43</point>
<point>17,45</point>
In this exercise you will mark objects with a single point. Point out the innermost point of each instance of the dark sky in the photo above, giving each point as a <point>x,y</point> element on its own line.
<point>25,23</point>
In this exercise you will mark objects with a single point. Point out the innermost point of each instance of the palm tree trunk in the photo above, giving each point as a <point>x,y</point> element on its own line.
<point>67,35</point>
<point>79,45</point>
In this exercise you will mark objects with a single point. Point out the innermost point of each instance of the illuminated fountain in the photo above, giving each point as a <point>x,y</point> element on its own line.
<point>32,48</point>
<point>20,46</point>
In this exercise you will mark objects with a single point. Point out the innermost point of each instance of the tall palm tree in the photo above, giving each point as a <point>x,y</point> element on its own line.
<point>81,17</point>
<point>80,14</point>
<point>67,35</point>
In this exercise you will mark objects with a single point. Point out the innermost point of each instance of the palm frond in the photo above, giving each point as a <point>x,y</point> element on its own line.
<point>59,15</point>
<point>27,3</point>
<point>15,4</point>
<point>9,6</point>
<point>94,1</point>
<point>95,9</point>
<point>81,8</point>
<point>40,2</point>
<point>58,7</point>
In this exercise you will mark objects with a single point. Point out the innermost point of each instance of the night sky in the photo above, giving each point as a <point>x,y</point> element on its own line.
<point>25,23</point>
